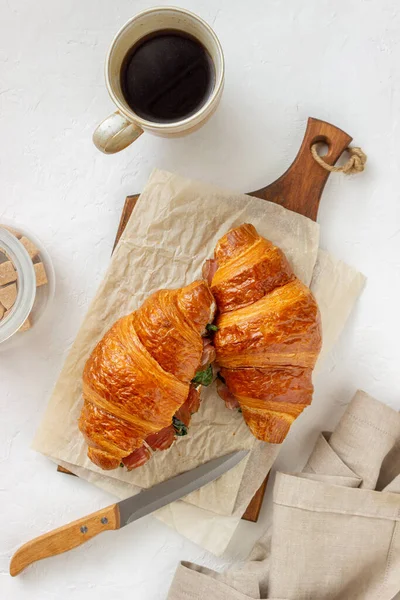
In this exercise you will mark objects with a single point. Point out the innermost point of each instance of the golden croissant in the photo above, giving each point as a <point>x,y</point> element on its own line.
<point>137,383</point>
<point>269,332</point>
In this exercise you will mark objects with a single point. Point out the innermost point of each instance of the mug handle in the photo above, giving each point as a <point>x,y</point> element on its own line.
<point>115,133</point>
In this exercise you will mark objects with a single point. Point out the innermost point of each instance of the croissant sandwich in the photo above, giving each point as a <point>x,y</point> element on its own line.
<point>141,382</point>
<point>269,332</point>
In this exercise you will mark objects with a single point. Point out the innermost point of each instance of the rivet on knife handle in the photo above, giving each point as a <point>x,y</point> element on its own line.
<point>65,538</point>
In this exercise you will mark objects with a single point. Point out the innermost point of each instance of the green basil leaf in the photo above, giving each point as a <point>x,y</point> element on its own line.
<point>179,426</point>
<point>204,377</point>
<point>239,410</point>
<point>211,328</point>
<point>121,464</point>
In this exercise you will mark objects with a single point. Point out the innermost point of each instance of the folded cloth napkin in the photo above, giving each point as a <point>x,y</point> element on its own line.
<point>336,526</point>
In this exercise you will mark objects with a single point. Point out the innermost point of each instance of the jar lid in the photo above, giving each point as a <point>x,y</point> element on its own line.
<point>26,284</point>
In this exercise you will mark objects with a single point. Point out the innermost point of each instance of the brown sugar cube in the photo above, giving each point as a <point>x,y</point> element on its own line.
<point>16,233</point>
<point>27,325</point>
<point>8,295</point>
<point>29,246</point>
<point>40,272</point>
<point>7,273</point>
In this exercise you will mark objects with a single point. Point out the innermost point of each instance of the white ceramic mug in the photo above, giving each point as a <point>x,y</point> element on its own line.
<point>124,126</point>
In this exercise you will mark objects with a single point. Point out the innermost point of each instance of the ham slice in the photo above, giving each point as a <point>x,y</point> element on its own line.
<point>227,396</point>
<point>190,407</point>
<point>209,269</point>
<point>208,355</point>
<point>161,440</point>
<point>139,457</point>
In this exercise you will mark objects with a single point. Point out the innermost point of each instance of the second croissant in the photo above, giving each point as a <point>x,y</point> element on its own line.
<point>269,332</point>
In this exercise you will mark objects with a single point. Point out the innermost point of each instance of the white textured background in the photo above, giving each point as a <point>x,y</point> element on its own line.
<point>286,60</point>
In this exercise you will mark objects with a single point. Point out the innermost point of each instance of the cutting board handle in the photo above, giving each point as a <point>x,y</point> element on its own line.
<point>300,187</point>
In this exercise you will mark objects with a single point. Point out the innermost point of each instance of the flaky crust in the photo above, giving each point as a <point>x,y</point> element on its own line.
<point>269,332</point>
<point>249,266</point>
<point>138,376</point>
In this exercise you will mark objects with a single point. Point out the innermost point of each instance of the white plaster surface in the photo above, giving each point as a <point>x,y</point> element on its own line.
<point>286,60</point>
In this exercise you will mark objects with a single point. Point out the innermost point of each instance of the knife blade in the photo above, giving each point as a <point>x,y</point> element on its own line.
<point>122,513</point>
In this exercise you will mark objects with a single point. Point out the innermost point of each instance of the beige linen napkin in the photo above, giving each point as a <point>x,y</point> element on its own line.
<point>334,535</point>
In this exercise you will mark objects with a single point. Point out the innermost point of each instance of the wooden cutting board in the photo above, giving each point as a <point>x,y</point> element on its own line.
<point>299,189</point>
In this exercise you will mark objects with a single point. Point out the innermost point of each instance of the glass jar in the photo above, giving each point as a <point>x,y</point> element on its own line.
<point>31,302</point>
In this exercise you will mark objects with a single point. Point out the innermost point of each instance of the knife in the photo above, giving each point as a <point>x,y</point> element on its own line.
<point>122,513</point>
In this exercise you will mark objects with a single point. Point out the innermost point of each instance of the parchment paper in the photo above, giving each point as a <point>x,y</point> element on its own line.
<point>174,227</point>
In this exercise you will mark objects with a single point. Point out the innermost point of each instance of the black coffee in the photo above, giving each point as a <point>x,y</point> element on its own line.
<point>167,76</point>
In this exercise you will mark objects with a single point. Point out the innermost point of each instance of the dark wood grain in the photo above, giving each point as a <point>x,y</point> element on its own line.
<point>299,189</point>
<point>126,215</point>
<point>252,512</point>
<point>61,469</point>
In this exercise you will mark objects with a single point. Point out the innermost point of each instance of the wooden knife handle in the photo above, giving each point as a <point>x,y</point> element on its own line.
<point>65,538</point>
